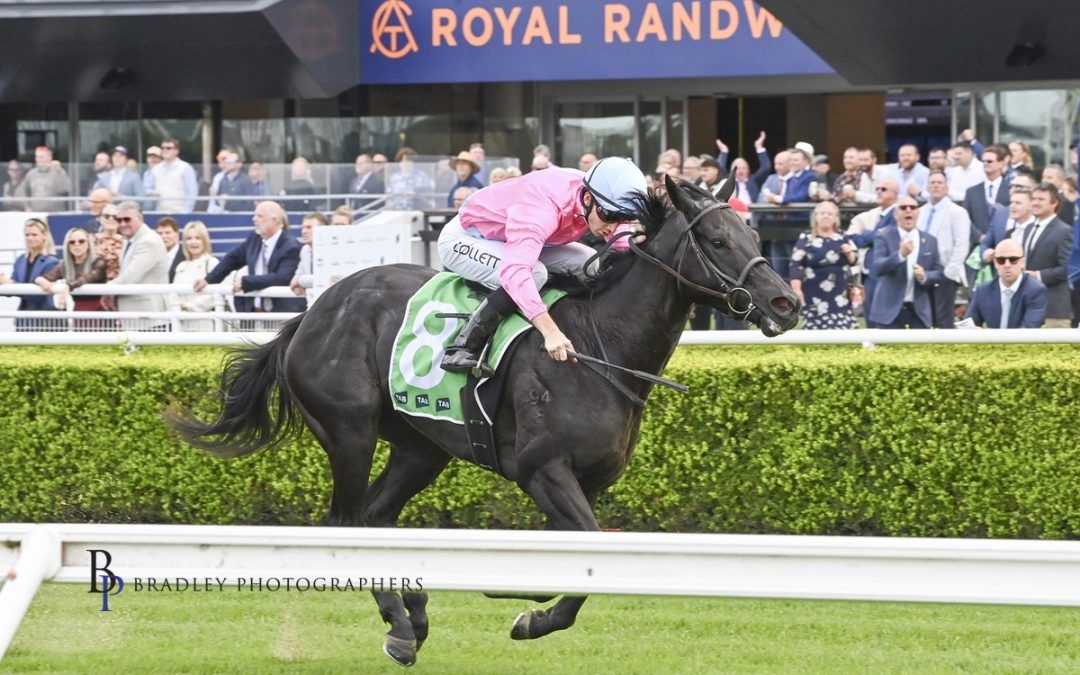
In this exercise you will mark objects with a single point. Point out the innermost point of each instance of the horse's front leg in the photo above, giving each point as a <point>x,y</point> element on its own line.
<point>556,490</point>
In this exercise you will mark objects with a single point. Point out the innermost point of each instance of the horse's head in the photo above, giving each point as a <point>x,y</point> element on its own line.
<point>720,255</point>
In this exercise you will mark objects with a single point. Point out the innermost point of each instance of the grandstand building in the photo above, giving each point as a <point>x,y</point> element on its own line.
<point>328,79</point>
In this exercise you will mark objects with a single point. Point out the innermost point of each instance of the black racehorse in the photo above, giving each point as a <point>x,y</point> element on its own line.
<point>563,435</point>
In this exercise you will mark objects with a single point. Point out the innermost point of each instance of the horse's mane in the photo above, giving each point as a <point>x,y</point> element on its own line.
<point>652,211</point>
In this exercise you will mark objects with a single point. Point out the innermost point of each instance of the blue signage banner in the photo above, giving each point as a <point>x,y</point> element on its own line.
<point>443,41</point>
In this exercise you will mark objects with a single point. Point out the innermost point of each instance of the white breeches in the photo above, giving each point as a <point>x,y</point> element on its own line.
<point>480,259</point>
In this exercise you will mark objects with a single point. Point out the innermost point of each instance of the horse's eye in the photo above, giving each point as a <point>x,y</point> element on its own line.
<point>717,243</point>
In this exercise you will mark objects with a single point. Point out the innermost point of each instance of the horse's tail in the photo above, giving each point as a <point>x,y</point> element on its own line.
<point>248,384</point>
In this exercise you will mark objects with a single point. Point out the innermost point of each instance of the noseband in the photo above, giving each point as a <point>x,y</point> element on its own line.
<point>731,287</point>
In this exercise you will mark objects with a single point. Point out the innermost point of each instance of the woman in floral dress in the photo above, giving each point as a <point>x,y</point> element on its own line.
<point>818,271</point>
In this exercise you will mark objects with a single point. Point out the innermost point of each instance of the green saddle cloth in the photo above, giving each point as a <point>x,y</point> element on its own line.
<point>418,385</point>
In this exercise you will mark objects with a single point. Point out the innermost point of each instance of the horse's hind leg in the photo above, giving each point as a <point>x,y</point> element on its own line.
<point>349,441</point>
<point>415,462</point>
<point>556,490</point>
<point>344,418</point>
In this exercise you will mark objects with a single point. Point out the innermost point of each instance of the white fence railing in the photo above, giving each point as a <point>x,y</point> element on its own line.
<point>221,319</point>
<point>865,338</point>
<point>764,566</point>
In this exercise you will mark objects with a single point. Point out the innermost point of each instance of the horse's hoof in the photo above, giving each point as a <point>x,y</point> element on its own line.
<point>403,652</point>
<point>523,624</point>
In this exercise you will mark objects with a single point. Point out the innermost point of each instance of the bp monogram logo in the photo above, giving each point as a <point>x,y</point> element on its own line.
<point>390,32</point>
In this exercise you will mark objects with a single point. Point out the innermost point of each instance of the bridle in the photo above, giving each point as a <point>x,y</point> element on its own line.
<point>731,287</point>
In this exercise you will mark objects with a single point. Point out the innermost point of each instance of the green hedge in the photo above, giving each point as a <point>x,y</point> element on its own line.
<point>915,441</point>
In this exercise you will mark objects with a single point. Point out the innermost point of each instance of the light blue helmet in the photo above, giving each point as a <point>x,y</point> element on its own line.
<point>616,185</point>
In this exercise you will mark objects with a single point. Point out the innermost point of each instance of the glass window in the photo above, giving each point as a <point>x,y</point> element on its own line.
<point>676,122</point>
<point>650,126</point>
<point>962,108</point>
<point>985,109</point>
<point>600,128</point>
<point>1040,118</point>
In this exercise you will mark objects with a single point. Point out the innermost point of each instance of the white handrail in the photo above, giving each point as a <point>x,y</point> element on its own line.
<point>864,338</point>
<point>150,289</point>
<point>868,337</point>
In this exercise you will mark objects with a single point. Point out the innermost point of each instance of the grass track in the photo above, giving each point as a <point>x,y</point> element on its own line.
<point>244,632</point>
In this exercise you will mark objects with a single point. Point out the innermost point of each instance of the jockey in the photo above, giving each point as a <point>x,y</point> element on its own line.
<point>508,236</point>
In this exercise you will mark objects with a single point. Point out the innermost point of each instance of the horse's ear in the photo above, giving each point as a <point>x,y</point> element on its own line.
<point>677,196</point>
<point>727,189</point>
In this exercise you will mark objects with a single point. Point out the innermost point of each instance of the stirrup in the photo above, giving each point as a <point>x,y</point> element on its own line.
<point>482,369</point>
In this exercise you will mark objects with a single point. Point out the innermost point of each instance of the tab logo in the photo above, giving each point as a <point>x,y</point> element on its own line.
<point>402,397</point>
<point>442,404</point>
<point>390,24</point>
<point>422,401</point>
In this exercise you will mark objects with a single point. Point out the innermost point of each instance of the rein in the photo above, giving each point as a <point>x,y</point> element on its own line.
<point>730,285</point>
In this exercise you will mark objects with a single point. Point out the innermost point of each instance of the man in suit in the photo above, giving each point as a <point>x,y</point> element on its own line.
<point>980,200</point>
<point>906,264</point>
<point>1010,225</point>
<point>142,261</point>
<point>1055,175</point>
<point>795,186</point>
<point>864,226</point>
<point>366,182</point>
<point>1014,299</point>
<point>950,226</point>
<point>169,231</point>
<point>773,184</point>
<point>121,181</point>
<point>271,256</point>
<point>1047,243</point>
<point>747,185</point>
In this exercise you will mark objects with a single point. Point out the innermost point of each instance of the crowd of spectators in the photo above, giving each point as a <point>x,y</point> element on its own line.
<point>962,206</point>
<point>929,241</point>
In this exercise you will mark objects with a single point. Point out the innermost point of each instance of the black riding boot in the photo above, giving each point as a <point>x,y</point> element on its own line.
<point>464,354</point>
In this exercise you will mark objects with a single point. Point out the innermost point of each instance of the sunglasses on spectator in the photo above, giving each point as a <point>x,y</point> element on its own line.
<point>78,241</point>
<point>168,147</point>
<point>1011,259</point>
<point>907,207</point>
<point>109,216</point>
<point>125,219</point>
<point>881,189</point>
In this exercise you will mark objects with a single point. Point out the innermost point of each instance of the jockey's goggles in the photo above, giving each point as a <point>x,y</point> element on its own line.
<point>613,216</point>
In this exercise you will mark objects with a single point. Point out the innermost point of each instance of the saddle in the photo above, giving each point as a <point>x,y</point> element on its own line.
<point>421,388</point>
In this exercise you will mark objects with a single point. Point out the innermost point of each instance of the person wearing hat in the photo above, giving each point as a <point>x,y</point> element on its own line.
<point>121,181</point>
<point>825,178</point>
<point>466,168</point>
<point>710,175</point>
<point>510,236</point>
<point>153,158</point>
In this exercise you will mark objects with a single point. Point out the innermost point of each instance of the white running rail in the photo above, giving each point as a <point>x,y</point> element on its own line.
<point>765,566</point>
<point>865,338</point>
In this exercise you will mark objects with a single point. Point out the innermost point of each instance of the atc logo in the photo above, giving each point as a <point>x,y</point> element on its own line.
<point>390,33</point>
<point>109,581</point>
